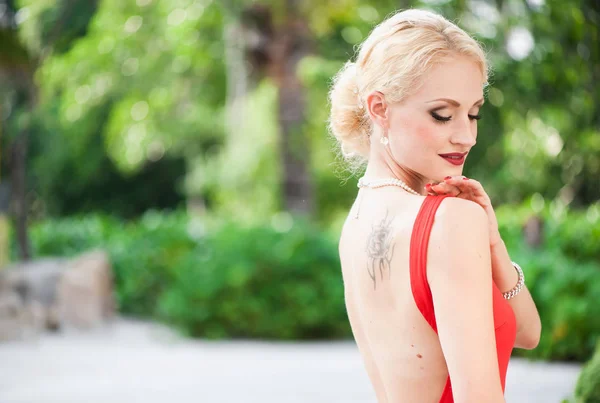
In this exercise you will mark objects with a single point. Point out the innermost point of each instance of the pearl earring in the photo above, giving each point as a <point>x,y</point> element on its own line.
<point>384,140</point>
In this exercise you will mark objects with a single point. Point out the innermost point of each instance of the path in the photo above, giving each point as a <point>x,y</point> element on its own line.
<point>134,362</point>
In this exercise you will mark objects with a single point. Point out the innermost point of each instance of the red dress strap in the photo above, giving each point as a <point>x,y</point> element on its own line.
<point>418,257</point>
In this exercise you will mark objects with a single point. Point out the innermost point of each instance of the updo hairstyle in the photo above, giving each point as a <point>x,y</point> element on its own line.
<point>397,53</point>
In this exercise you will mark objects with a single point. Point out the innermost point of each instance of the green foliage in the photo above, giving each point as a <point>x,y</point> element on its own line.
<point>53,24</point>
<point>70,236</point>
<point>261,283</point>
<point>147,65</point>
<point>146,256</point>
<point>143,252</point>
<point>242,177</point>
<point>563,277</point>
<point>278,281</point>
<point>587,389</point>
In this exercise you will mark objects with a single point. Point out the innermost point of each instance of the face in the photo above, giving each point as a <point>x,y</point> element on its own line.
<point>440,118</point>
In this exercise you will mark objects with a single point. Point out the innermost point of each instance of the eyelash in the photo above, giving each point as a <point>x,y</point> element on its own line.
<point>444,119</point>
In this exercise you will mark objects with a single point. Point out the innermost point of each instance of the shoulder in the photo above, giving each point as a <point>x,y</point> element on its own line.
<point>453,209</point>
<point>458,219</point>
<point>460,232</point>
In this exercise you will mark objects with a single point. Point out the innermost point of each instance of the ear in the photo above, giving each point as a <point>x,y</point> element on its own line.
<point>378,108</point>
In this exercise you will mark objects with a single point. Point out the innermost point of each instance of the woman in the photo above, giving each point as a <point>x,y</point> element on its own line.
<point>435,303</point>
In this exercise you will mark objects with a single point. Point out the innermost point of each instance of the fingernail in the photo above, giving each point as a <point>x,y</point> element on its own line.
<point>447,177</point>
<point>465,178</point>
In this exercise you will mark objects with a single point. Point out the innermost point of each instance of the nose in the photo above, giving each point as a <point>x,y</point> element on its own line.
<point>464,134</point>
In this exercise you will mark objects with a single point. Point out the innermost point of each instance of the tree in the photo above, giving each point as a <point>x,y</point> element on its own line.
<point>21,54</point>
<point>16,78</point>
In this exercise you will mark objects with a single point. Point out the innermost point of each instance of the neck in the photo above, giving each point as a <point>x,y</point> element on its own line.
<point>377,169</point>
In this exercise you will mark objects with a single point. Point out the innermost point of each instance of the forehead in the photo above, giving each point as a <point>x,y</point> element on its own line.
<point>458,78</point>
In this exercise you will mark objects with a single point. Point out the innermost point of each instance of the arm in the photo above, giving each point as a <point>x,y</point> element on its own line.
<point>460,277</point>
<point>503,273</point>
<point>505,276</point>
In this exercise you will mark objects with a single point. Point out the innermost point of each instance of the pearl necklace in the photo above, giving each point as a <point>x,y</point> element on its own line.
<point>377,183</point>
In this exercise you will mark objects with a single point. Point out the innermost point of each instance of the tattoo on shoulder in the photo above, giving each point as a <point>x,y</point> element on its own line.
<point>380,249</point>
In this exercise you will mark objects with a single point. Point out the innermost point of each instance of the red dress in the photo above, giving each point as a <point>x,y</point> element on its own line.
<point>504,317</point>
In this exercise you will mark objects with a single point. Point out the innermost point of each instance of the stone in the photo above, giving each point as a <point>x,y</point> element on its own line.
<point>27,295</point>
<point>85,294</point>
<point>56,294</point>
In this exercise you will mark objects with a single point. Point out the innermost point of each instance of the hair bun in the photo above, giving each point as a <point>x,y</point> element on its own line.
<point>347,120</point>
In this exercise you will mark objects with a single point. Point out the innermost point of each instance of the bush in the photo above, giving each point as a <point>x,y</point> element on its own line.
<point>587,389</point>
<point>144,253</point>
<point>258,282</point>
<point>224,280</point>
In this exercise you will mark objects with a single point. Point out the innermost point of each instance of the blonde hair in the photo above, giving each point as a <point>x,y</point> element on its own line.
<point>392,60</point>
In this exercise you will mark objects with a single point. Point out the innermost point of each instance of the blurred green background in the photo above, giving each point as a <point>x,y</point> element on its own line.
<point>188,139</point>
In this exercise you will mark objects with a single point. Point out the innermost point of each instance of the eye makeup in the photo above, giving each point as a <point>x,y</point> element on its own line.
<point>443,119</point>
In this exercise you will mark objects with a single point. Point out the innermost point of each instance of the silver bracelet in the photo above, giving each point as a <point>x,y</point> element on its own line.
<point>512,293</point>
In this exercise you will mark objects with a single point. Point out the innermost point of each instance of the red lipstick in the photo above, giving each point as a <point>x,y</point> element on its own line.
<point>454,158</point>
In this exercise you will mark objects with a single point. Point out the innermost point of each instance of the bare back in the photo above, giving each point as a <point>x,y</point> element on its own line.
<point>401,352</point>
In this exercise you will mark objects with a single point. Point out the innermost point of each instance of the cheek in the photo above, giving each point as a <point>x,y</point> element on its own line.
<point>418,136</point>
<point>428,132</point>
<point>427,137</point>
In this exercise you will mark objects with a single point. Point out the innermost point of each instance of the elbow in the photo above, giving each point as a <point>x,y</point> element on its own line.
<point>529,343</point>
<point>529,338</point>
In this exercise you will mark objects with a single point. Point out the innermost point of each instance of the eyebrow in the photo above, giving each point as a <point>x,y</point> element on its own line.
<point>455,103</point>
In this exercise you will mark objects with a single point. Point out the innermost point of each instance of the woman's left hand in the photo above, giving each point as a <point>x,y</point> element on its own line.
<point>468,189</point>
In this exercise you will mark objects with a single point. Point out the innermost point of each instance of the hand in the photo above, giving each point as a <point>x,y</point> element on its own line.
<point>468,189</point>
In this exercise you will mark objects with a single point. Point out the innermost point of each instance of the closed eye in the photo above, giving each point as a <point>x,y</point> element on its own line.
<point>444,119</point>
